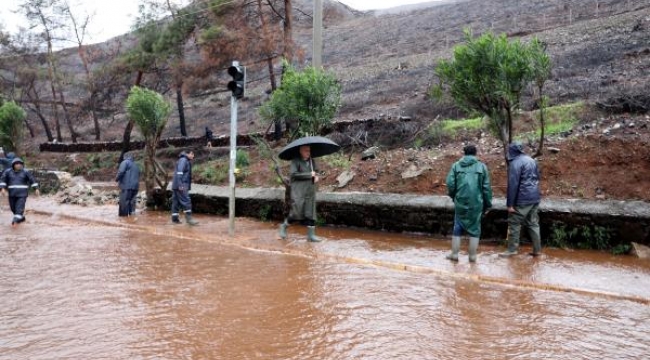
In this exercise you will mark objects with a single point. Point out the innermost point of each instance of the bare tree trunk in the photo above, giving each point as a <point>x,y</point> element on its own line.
<point>288,31</point>
<point>39,113</point>
<point>55,110</point>
<point>51,74</point>
<point>54,81</point>
<point>73,133</point>
<point>181,110</point>
<point>150,168</point>
<point>269,61</point>
<point>542,124</point>
<point>29,127</point>
<point>84,60</point>
<point>126,137</point>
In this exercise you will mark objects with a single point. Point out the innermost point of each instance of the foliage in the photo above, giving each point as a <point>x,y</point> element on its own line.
<point>307,101</point>
<point>242,159</point>
<point>583,237</point>
<point>212,172</point>
<point>337,161</point>
<point>621,249</point>
<point>451,127</point>
<point>265,212</point>
<point>11,125</point>
<point>149,110</point>
<point>560,236</point>
<point>489,73</point>
<point>173,37</point>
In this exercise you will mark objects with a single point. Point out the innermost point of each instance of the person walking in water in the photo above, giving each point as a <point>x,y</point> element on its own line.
<point>523,200</point>
<point>128,179</point>
<point>468,184</point>
<point>181,186</point>
<point>304,179</point>
<point>18,181</point>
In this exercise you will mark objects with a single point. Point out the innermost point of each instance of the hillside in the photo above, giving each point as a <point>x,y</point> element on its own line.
<point>385,62</point>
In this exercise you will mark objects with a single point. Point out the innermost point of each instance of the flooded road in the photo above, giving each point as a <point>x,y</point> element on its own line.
<point>102,288</point>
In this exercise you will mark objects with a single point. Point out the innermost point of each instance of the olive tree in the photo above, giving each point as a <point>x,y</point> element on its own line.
<point>149,111</point>
<point>489,73</point>
<point>11,126</point>
<point>306,101</point>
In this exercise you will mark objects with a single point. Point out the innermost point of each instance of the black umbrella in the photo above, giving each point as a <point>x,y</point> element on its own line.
<point>320,146</point>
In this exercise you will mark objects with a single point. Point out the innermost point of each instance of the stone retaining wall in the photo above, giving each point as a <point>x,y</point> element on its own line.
<point>626,220</point>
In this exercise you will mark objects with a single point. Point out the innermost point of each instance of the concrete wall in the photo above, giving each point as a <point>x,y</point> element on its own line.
<point>627,220</point>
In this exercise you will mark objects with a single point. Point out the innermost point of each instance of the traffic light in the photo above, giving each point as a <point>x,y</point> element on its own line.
<point>238,83</point>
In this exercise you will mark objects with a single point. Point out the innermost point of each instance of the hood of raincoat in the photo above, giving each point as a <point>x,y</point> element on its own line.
<point>468,160</point>
<point>16,161</point>
<point>11,155</point>
<point>515,149</point>
<point>128,156</point>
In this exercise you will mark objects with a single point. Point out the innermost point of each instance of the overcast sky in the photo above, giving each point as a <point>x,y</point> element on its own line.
<point>115,17</point>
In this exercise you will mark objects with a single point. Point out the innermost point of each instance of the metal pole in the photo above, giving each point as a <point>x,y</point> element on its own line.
<point>233,157</point>
<point>317,59</point>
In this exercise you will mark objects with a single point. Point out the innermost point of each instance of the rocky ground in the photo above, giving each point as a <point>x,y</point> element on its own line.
<point>602,157</point>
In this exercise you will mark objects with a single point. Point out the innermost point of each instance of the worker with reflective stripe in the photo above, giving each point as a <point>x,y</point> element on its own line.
<point>17,181</point>
<point>181,185</point>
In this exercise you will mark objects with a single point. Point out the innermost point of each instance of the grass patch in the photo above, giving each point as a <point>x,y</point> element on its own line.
<point>559,119</point>
<point>338,160</point>
<point>212,172</point>
<point>452,127</point>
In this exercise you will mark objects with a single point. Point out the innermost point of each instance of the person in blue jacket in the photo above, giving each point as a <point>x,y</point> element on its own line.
<point>5,161</point>
<point>522,200</point>
<point>128,178</point>
<point>17,181</point>
<point>181,186</point>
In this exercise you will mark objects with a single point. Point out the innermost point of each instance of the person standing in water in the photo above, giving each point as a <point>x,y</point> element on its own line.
<point>181,186</point>
<point>128,178</point>
<point>304,182</point>
<point>18,181</point>
<point>468,184</point>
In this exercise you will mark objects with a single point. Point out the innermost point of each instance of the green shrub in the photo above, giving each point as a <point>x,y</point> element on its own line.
<point>621,249</point>
<point>307,101</point>
<point>242,159</point>
<point>265,212</point>
<point>11,126</point>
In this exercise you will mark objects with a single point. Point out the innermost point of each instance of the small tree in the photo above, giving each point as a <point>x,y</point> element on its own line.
<point>149,111</point>
<point>489,74</point>
<point>306,101</point>
<point>11,126</point>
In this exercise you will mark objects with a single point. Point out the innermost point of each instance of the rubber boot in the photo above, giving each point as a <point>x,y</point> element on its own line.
<point>311,234</point>
<point>283,230</point>
<point>537,243</point>
<point>473,248</point>
<point>176,219</point>
<point>190,220</point>
<point>455,248</point>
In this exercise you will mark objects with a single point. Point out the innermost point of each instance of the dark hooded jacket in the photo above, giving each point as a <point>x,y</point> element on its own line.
<point>17,182</point>
<point>468,184</point>
<point>5,163</point>
<point>523,178</point>
<point>128,175</point>
<point>183,173</point>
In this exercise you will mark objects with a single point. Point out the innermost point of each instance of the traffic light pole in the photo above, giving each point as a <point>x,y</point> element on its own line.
<point>233,157</point>
<point>317,56</point>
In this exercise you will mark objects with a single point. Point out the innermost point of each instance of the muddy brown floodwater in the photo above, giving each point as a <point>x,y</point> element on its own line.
<point>102,288</point>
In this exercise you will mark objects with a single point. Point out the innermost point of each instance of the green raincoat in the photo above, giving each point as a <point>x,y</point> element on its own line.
<point>303,190</point>
<point>468,184</point>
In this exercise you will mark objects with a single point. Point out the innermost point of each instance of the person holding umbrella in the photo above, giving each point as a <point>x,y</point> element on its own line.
<point>304,180</point>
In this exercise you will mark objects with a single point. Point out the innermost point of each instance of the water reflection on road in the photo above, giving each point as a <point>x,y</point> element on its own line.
<point>74,289</point>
